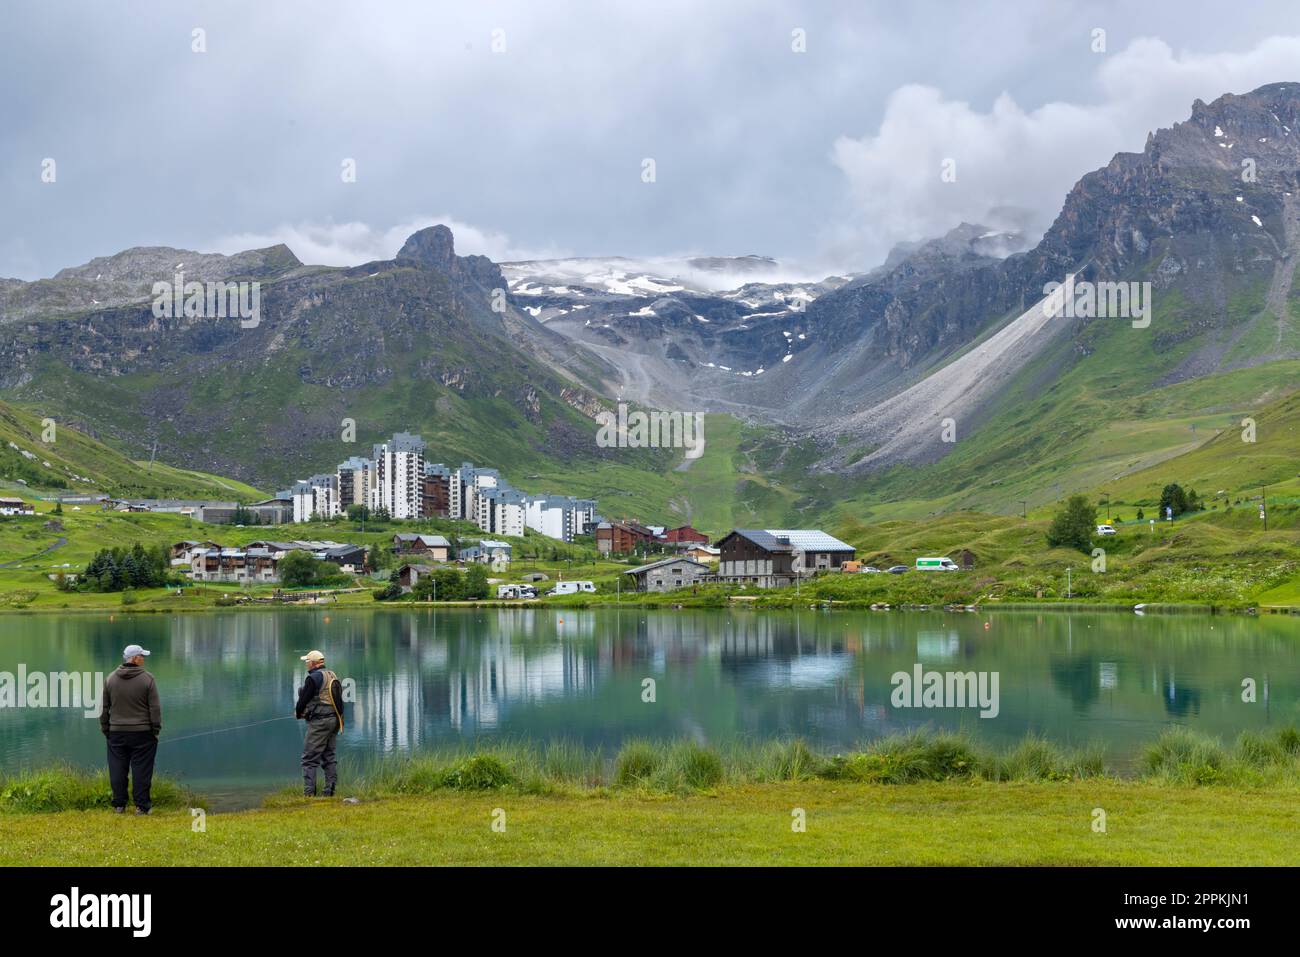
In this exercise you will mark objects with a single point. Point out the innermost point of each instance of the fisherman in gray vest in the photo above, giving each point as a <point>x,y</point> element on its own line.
<point>320,704</point>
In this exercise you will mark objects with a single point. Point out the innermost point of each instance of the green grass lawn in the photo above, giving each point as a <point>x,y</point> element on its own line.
<point>933,823</point>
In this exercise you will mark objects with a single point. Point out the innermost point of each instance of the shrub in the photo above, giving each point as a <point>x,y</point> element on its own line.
<point>481,772</point>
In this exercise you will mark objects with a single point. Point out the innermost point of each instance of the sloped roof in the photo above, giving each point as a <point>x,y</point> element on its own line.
<point>811,540</point>
<point>762,538</point>
<point>665,561</point>
<point>433,541</point>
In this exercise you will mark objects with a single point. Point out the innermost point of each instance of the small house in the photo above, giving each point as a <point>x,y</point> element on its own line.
<point>433,547</point>
<point>668,574</point>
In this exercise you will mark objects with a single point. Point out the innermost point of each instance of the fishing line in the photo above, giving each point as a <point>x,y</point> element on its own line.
<point>240,727</point>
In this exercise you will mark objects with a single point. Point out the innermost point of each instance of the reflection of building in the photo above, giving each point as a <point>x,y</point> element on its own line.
<point>509,676</point>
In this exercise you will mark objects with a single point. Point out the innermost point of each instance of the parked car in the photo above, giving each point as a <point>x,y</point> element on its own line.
<point>1105,529</point>
<point>898,569</point>
<point>871,570</point>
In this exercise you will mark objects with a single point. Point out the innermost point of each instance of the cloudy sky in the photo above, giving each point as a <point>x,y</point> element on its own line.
<point>526,125</point>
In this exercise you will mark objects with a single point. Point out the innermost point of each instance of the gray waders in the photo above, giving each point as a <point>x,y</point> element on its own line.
<point>324,722</point>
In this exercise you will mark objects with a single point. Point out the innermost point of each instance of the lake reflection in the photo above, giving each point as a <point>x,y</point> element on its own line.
<point>426,678</point>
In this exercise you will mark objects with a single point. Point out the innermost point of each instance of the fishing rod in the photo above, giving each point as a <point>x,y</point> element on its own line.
<point>239,727</point>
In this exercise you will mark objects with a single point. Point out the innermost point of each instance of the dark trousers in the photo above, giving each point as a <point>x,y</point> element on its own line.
<point>318,752</point>
<point>131,751</point>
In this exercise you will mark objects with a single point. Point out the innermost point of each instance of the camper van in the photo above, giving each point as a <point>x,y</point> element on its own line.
<point>516,591</point>
<point>937,565</point>
<point>572,588</point>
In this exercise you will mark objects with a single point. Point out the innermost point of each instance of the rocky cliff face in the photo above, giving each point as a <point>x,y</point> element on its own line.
<point>1207,213</point>
<point>414,342</point>
<point>128,277</point>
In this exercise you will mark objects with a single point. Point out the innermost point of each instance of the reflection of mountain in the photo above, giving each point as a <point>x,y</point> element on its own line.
<point>1076,678</point>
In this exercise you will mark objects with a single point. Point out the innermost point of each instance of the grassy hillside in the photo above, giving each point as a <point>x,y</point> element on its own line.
<point>75,461</point>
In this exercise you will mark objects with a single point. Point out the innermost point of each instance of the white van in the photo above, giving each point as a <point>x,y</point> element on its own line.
<point>937,565</point>
<point>572,588</point>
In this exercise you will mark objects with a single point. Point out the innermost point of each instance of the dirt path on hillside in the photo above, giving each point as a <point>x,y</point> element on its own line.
<point>31,558</point>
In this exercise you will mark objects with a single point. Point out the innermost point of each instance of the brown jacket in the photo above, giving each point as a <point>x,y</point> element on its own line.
<point>130,701</point>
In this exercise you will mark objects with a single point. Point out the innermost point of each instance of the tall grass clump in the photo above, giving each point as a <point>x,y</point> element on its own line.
<point>904,759</point>
<point>1259,751</point>
<point>788,761</point>
<point>1183,756</point>
<point>637,764</point>
<point>687,766</point>
<point>1037,759</point>
<point>65,788</point>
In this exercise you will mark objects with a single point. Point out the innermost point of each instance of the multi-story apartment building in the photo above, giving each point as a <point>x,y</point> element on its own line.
<point>398,484</point>
<point>436,491</point>
<point>622,538</point>
<point>500,510</point>
<point>316,497</point>
<point>559,516</point>
<point>354,477</point>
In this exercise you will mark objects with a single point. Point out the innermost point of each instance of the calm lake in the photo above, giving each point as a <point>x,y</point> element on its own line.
<point>431,678</point>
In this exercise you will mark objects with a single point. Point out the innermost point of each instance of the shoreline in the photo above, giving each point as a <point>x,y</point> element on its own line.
<point>747,603</point>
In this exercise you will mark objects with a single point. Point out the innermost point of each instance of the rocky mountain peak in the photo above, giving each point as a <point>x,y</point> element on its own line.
<point>432,246</point>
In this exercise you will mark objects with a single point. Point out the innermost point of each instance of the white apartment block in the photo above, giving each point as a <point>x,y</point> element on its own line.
<point>398,480</point>
<point>316,497</point>
<point>459,486</point>
<point>500,511</point>
<point>559,516</point>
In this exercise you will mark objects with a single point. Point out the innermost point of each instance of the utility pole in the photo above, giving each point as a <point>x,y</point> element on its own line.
<point>1069,591</point>
<point>1024,510</point>
<point>1107,494</point>
<point>1263,505</point>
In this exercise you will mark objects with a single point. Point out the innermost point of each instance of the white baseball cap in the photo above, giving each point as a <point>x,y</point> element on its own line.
<point>131,651</point>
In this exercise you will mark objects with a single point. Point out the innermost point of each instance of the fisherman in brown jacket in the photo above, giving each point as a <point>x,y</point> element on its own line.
<point>131,720</point>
